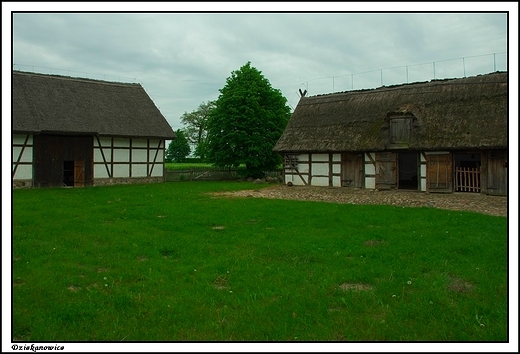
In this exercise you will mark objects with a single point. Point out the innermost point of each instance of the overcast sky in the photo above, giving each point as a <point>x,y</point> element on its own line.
<point>183,59</point>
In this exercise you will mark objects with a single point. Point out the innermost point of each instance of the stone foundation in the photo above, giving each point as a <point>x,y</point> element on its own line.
<point>22,183</point>
<point>127,180</point>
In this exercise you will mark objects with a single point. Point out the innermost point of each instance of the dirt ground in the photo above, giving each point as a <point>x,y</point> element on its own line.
<point>491,205</point>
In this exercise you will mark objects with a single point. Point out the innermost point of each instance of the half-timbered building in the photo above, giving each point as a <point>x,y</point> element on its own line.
<point>79,132</point>
<point>439,136</point>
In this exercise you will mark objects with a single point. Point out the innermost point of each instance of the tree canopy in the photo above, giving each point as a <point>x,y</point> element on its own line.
<point>247,121</point>
<point>179,148</point>
<point>195,129</point>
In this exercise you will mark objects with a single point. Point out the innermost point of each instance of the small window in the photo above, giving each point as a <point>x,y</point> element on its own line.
<point>291,161</point>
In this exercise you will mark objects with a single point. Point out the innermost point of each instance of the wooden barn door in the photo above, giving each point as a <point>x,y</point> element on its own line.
<point>79,173</point>
<point>352,170</point>
<point>497,173</point>
<point>439,172</point>
<point>386,170</point>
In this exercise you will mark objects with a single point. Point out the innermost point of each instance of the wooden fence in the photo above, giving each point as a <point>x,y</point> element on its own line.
<point>211,174</point>
<point>467,179</point>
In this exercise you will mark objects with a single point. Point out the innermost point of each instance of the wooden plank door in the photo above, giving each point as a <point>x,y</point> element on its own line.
<point>497,173</point>
<point>439,172</point>
<point>386,170</point>
<point>79,173</point>
<point>352,170</point>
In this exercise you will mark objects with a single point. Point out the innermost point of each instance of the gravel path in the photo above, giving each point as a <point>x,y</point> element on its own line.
<point>491,205</point>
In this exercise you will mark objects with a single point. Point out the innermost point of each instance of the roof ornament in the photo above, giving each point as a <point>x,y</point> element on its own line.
<point>302,94</point>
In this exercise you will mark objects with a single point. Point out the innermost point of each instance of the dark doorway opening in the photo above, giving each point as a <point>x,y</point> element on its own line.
<point>408,170</point>
<point>68,173</point>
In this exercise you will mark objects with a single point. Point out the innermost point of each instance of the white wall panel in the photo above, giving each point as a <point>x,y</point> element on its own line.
<point>26,155</point>
<point>20,139</point>
<point>320,157</point>
<point>139,155</point>
<point>23,172</point>
<point>139,170</point>
<point>121,155</point>
<point>104,140</point>
<point>295,179</point>
<point>157,170</point>
<point>99,158</point>
<point>370,183</point>
<point>320,169</point>
<point>140,143</point>
<point>121,170</point>
<point>121,142</point>
<point>320,181</point>
<point>100,171</point>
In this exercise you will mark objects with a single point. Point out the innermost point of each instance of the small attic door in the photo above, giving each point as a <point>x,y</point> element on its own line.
<point>400,132</point>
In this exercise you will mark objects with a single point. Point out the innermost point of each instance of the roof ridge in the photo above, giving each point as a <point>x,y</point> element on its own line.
<point>80,79</point>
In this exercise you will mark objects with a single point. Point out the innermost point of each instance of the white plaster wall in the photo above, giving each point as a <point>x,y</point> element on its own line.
<point>320,169</point>
<point>100,171</point>
<point>151,155</point>
<point>370,169</point>
<point>370,182</point>
<point>139,155</point>
<point>23,172</point>
<point>121,155</point>
<point>141,143</point>
<point>336,181</point>
<point>423,184</point>
<point>423,177</point>
<point>104,140</point>
<point>26,156</point>
<point>20,139</point>
<point>336,168</point>
<point>121,142</point>
<point>158,170</point>
<point>99,158</point>
<point>121,170</point>
<point>139,170</point>
<point>336,157</point>
<point>320,157</point>
<point>295,179</point>
<point>320,181</point>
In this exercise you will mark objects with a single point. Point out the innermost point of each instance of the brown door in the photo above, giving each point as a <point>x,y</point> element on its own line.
<point>352,170</point>
<point>386,170</point>
<point>439,172</point>
<point>79,173</point>
<point>497,173</point>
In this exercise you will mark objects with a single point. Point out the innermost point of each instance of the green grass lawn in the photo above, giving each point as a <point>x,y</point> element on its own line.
<point>170,262</point>
<point>185,165</point>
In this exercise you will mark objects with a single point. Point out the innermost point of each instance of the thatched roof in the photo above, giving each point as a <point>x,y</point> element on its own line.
<point>446,114</point>
<point>66,105</point>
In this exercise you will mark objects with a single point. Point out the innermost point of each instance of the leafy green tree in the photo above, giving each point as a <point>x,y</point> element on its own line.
<point>179,148</point>
<point>247,121</point>
<point>196,127</point>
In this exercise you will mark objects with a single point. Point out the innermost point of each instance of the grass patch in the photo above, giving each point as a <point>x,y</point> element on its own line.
<point>170,262</point>
<point>185,165</point>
